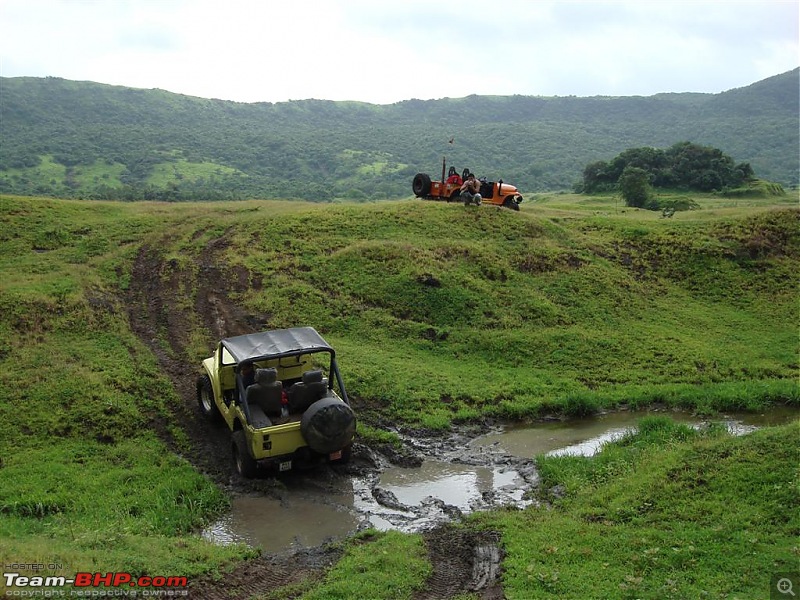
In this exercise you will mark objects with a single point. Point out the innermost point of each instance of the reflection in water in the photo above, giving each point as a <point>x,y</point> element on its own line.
<point>266,522</point>
<point>455,484</point>
<point>585,437</point>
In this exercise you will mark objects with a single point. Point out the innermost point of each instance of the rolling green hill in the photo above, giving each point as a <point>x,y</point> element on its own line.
<point>82,139</point>
<point>440,314</point>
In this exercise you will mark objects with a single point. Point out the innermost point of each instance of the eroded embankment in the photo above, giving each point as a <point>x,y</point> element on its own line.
<point>162,318</point>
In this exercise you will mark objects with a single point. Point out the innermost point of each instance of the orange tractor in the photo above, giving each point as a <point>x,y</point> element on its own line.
<point>492,192</point>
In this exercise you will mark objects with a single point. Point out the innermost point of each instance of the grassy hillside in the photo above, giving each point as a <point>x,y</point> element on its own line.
<point>87,140</point>
<point>439,314</point>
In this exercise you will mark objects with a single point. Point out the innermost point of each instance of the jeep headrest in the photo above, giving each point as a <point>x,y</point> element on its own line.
<point>264,376</point>
<point>312,376</point>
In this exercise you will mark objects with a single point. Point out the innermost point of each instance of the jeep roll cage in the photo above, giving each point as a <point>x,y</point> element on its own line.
<point>278,344</point>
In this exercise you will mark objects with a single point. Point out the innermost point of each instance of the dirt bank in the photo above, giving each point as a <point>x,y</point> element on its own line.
<point>462,561</point>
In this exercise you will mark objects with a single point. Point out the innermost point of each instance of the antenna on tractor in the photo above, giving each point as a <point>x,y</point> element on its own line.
<point>444,158</point>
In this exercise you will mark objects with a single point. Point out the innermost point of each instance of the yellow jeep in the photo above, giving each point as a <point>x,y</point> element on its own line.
<point>282,396</point>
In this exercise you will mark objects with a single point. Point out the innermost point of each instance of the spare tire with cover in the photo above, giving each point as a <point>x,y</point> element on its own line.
<point>328,425</point>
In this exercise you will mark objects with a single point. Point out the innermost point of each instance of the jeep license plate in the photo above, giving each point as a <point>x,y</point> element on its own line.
<point>285,466</point>
<point>336,455</point>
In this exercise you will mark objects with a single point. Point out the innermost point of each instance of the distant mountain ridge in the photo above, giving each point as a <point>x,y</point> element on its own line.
<point>84,139</point>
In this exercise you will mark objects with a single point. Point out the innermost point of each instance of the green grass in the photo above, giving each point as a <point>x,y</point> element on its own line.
<point>379,566</point>
<point>101,172</point>
<point>547,310</point>
<point>89,179</point>
<point>438,314</point>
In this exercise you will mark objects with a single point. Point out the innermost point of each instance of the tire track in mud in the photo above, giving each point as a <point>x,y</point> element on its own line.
<point>463,562</point>
<point>163,324</point>
<point>163,321</point>
<point>265,575</point>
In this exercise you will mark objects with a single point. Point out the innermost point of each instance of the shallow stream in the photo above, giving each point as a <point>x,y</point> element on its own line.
<point>455,478</point>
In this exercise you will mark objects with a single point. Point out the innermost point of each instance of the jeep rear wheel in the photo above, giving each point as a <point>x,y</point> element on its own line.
<point>421,185</point>
<point>205,398</point>
<point>347,454</point>
<point>245,464</point>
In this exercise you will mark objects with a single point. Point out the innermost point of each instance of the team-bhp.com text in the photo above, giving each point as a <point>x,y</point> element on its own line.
<point>94,585</point>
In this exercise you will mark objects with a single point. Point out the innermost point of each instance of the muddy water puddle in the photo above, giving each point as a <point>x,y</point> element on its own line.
<point>276,526</point>
<point>413,499</point>
<point>455,478</point>
<point>585,437</point>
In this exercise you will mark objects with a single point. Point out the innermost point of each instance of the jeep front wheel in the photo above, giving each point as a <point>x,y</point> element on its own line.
<point>245,464</point>
<point>205,398</point>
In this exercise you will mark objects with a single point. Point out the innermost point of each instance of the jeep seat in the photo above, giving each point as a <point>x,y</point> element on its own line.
<point>487,188</point>
<point>264,397</point>
<point>304,393</point>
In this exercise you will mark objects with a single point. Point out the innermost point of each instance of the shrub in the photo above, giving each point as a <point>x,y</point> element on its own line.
<point>634,184</point>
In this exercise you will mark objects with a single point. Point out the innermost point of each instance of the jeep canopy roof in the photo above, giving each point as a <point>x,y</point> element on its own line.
<point>275,343</point>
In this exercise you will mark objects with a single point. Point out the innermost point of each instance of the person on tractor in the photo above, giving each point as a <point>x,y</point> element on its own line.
<point>470,189</point>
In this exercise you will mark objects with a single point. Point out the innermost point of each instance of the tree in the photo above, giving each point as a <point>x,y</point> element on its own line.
<point>685,165</point>
<point>595,177</point>
<point>634,183</point>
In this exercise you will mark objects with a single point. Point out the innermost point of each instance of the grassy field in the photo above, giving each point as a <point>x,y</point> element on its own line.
<point>440,314</point>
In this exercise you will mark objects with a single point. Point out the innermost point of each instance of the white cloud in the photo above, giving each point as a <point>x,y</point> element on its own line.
<point>275,50</point>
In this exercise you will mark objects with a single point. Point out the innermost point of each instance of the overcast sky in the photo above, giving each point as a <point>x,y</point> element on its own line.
<point>383,51</point>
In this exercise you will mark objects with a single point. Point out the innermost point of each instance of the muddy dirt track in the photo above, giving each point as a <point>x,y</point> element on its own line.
<point>463,561</point>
